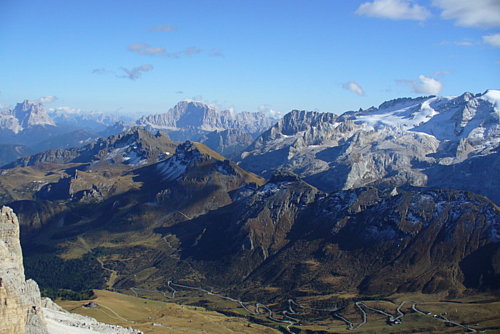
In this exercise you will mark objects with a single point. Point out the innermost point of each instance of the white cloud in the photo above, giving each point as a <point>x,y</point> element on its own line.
<point>165,27</point>
<point>471,13</point>
<point>46,99</point>
<point>146,49</point>
<point>394,10</point>
<point>493,40</point>
<point>64,110</point>
<point>273,113</point>
<point>136,72</point>
<point>354,87</point>
<point>424,85</point>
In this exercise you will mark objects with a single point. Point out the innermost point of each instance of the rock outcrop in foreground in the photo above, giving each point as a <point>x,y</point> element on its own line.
<point>22,310</point>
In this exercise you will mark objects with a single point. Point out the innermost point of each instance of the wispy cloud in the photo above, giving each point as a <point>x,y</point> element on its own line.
<point>493,40</point>
<point>136,72</point>
<point>216,53</point>
<point>354,87</point>
<point>458,43</point>
<point>47,99</point>
<point>187,52</point>
<point>99,71</point>
<point>191,50</point>
<point>424,85</point>
<point>394,10</point>
<point>164,27</point>
<point>442,73</point>
<point>471,13</point>
<point>146,49</point>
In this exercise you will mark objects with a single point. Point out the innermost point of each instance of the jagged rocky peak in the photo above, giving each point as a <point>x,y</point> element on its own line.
<point>25,115</point>
<point>193,151</point>
<point>194,114</point>
<point>191,115</point>
<point>187,151</point>
<point>187,154</point>
<point>136,146</point>
<point>30,113</point>
<point>300,120</point>
<point>137,134</point>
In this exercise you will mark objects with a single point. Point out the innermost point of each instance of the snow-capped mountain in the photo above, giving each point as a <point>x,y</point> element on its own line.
<point>404,141</point>
<point>191,120</point>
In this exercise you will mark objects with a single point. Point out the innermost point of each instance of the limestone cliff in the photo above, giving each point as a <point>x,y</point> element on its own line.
<point>20,302</point>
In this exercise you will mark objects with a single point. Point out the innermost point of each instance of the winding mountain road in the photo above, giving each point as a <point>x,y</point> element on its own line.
<point>289,317</point>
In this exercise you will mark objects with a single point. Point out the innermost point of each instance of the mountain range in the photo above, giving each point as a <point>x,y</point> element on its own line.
<point>29,127</point>
<point>398,199</point>
<point>446,142</point>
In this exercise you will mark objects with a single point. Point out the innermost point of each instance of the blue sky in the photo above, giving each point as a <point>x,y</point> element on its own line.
<point>273,55</point>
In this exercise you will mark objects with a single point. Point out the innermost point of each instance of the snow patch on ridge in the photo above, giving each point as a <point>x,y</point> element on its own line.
<point>493,96</point>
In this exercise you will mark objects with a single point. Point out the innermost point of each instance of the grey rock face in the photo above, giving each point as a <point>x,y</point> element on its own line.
<point>25,115</point>
<point>22,310</point>
<point>191,120</point>
<point>228,142</point>
<point>404,141</point>
<point>30,114</point>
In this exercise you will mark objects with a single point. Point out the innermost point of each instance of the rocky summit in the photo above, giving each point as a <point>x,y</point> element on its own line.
<point>190,120</point>
<point>26,115</point>
<point>448,142</point>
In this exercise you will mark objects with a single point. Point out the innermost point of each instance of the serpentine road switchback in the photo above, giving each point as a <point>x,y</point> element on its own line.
<point>290,318</point>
